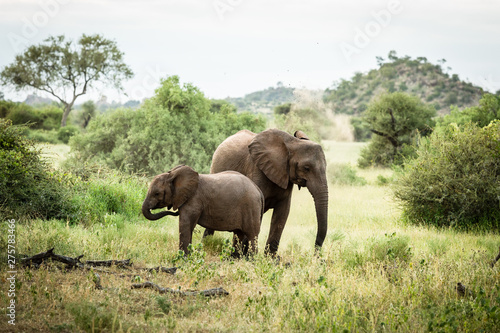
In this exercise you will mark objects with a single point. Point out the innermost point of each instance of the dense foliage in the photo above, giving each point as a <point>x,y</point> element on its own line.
<point>174,127</point>
<point>46,117</point>
<point>394,118</point>
<point>455,179</point>
<point>27,185</point>
<point>430,82</point>
<point>482,114</point>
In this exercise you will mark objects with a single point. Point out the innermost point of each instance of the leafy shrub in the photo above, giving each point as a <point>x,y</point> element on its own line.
<point>47,117</point>
<point>21,114</point>
<point>454,180</point>
<point>361,129</point>
<point>50,116</point>
<point>28,188</point>
<point>173,127</point>
<point>487,111</point>
<point>5,107</point>
<point>344,174</point>
<point>64,133</point>
<point>43,136</point>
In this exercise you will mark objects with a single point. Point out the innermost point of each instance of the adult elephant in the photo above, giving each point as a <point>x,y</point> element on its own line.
<point>275,161</point>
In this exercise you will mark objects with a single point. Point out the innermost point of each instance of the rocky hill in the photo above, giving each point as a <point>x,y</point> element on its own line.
<point>263,101</point>
<point>418,77</point>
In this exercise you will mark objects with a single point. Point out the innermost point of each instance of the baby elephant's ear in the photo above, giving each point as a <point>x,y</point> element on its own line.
<point>185,182</point>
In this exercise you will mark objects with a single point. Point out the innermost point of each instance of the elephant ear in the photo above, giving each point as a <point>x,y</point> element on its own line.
<point>270,154</point>
<point>300,135</point>
<point>185,183</point>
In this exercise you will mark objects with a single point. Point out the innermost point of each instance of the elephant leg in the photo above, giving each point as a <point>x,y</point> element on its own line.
<point>278,221</point>
<point>186,227</point>
<point>208,232</point>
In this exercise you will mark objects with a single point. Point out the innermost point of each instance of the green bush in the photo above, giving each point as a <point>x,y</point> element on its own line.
<point>50,116</point>
<point>28,188</point>
<point>46,117</point>
<point>21,114</point>
<point>454,180</point>
<point>344,174</point>
<point>5,107</point>
<point>64,133</point>
<point>43,136</point>
<point>173,127</point>
<point>361,130</point>
<point>487,111</point>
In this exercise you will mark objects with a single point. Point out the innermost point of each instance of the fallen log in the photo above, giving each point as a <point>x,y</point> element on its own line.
<point>71,262</point>
<point>108,263</point>
<point>39,258</point>
<point>170,270</point>
<point>207,293</point>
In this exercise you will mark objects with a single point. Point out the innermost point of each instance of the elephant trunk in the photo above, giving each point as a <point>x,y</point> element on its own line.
<point>321,203</point>
<point>150,216</point>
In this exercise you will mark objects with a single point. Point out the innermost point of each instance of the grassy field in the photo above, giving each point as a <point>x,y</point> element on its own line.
<point>374,274</point>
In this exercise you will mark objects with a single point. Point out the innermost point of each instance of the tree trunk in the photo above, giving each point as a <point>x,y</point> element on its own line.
<point>67,109</point>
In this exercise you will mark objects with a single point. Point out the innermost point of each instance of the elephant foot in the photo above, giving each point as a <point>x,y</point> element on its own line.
<point>208,232</point>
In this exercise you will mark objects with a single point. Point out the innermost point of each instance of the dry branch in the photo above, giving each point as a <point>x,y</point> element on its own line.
<point>71,262</point>
<point>108,263</point>
<point>207,293</point>
<point>169,270</point>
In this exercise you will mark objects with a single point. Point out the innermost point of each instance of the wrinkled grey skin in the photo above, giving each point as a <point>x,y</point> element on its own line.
<point>275,161</point>
<point>226,201</point>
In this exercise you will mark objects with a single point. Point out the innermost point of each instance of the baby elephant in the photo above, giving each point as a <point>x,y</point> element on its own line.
<point>225,201</point>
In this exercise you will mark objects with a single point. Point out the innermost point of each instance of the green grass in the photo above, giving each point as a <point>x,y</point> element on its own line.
<point>374,273</point>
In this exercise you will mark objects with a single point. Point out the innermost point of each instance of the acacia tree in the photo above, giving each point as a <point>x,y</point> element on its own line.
<point>394,118</point>
<point>67,70</point>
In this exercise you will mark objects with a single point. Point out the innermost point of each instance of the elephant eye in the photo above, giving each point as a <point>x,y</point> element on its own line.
<point>307,168</point>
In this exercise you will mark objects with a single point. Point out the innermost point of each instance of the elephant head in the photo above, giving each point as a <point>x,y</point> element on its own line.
<point>171,190</point>
<point>284,158</point>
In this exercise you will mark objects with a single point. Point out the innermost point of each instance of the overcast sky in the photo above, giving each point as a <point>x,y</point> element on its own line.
<point>234,47</point>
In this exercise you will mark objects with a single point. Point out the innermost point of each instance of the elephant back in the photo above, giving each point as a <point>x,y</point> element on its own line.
<point>233,154</point>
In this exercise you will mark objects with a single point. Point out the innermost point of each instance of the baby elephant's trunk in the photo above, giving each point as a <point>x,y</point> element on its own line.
<point>146,211</point>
